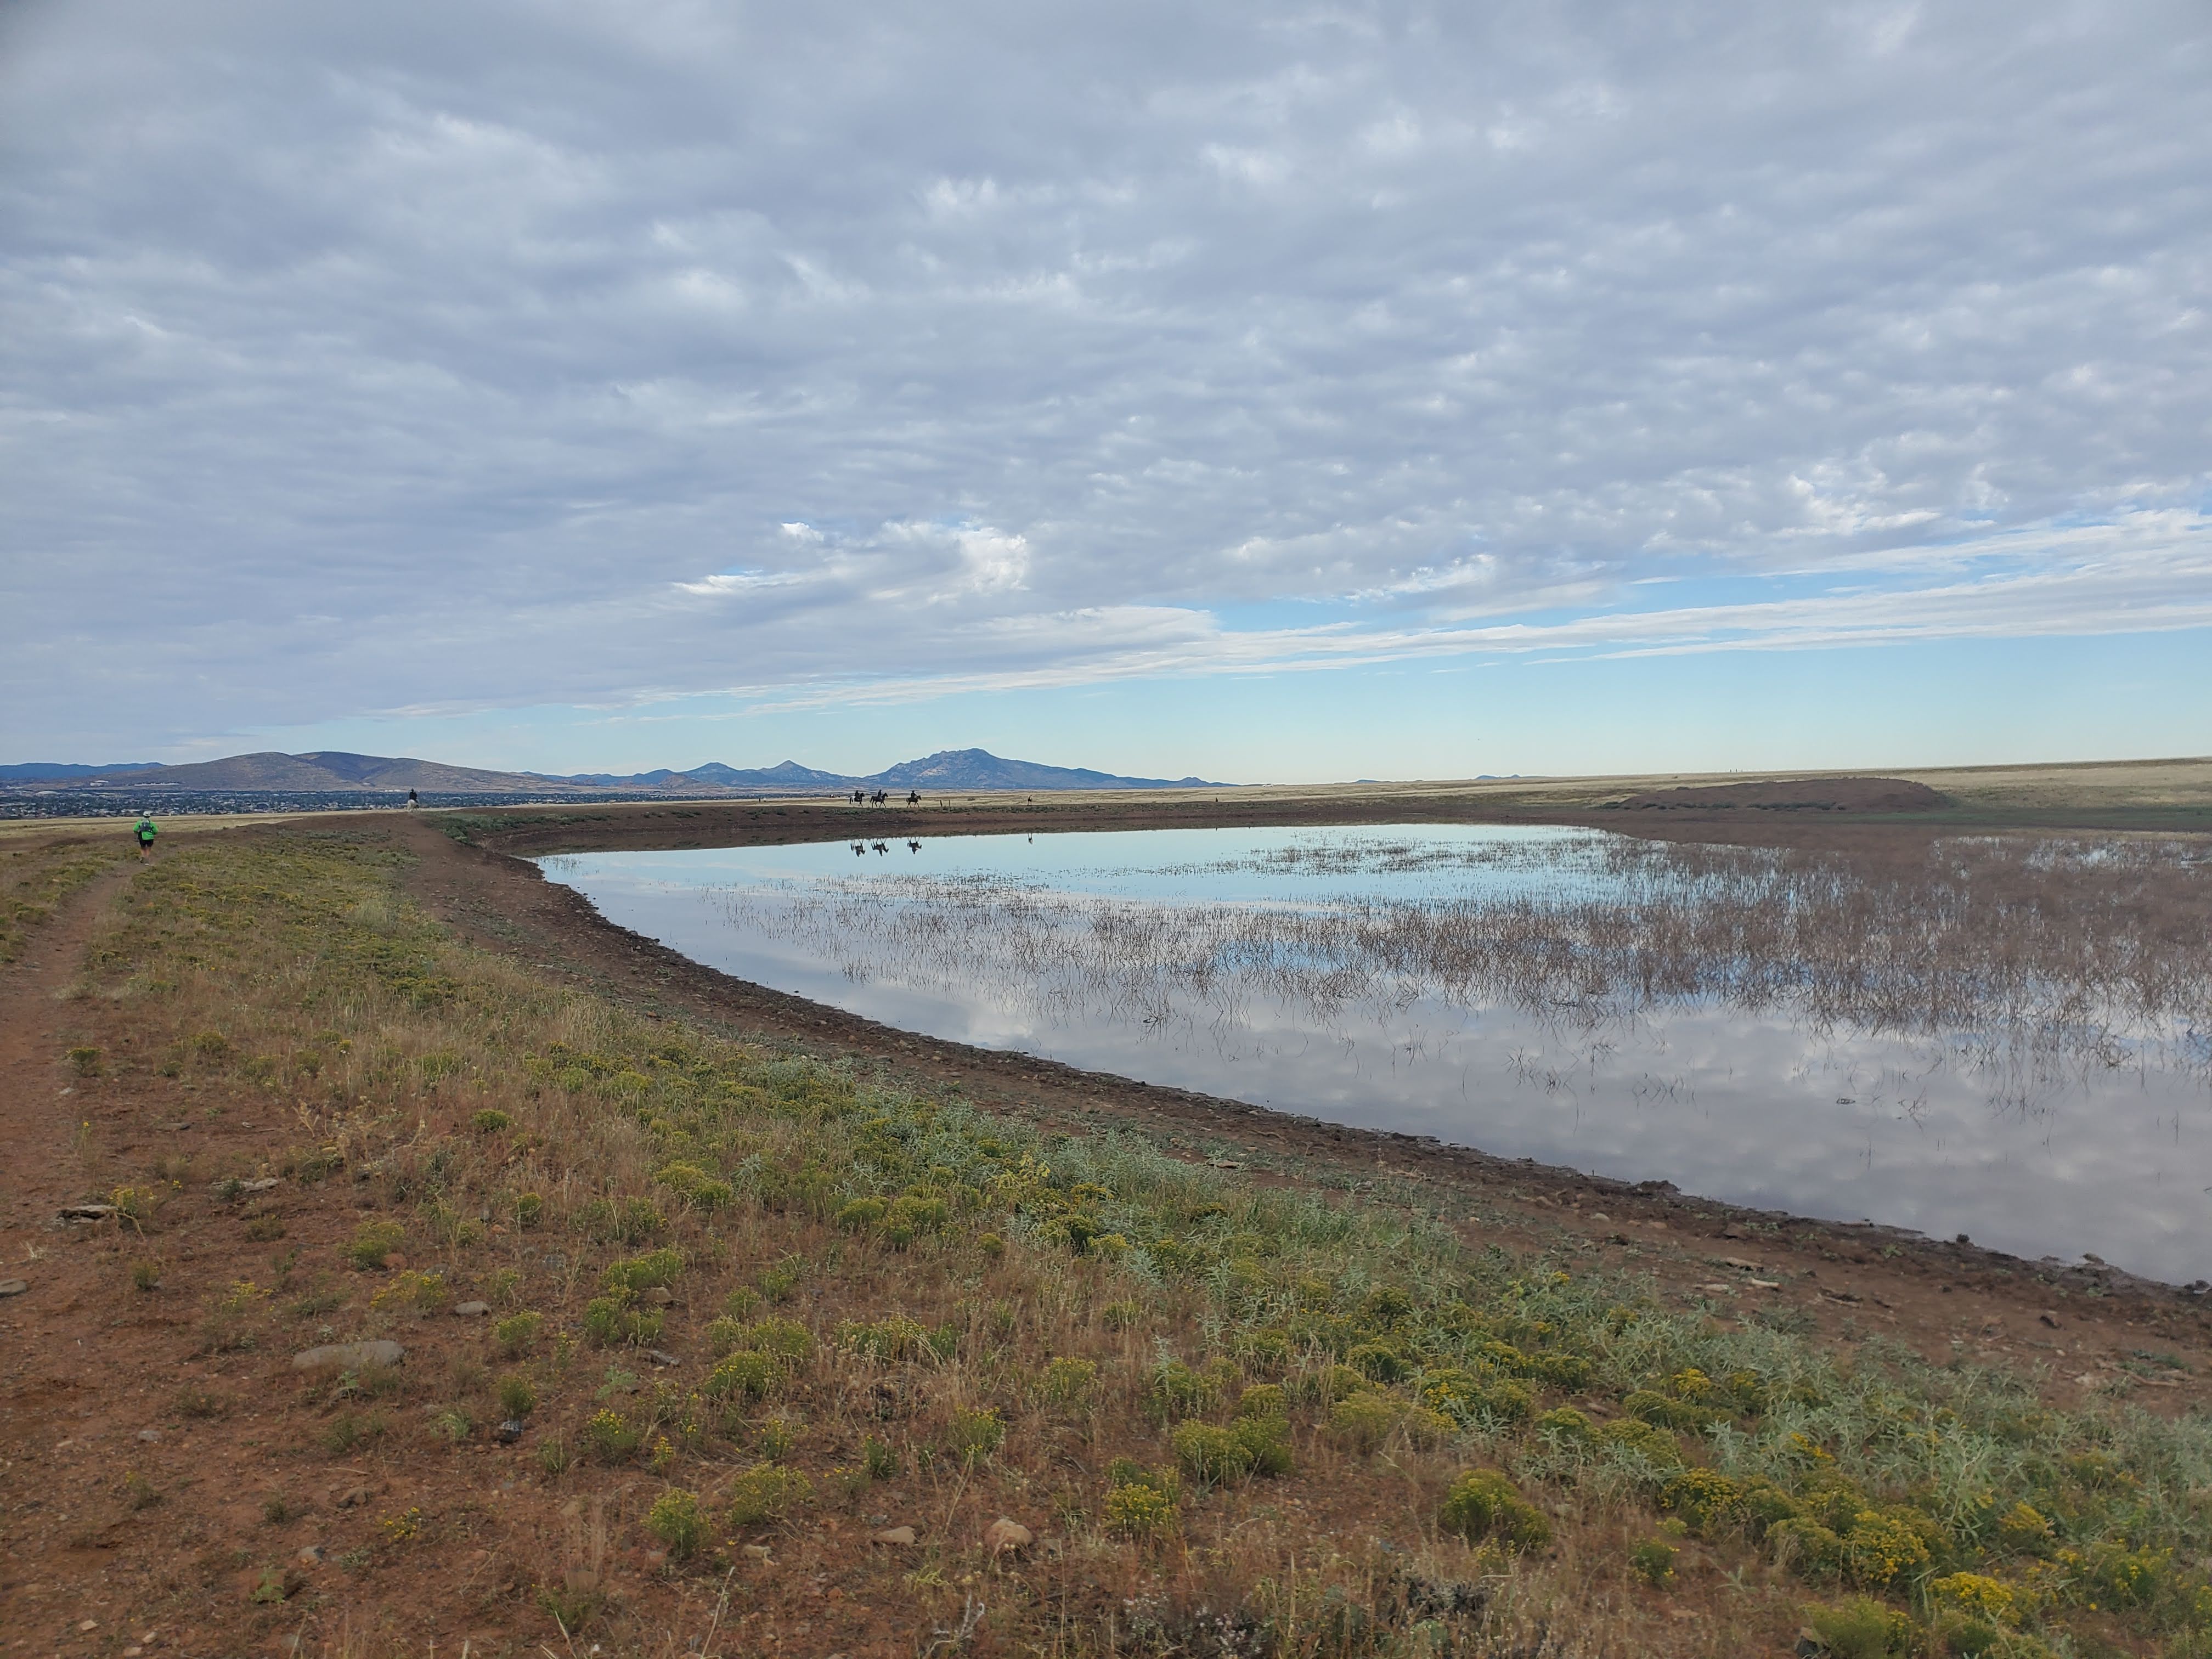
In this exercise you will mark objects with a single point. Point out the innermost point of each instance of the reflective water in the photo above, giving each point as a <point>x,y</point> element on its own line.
<point>1560,995</point>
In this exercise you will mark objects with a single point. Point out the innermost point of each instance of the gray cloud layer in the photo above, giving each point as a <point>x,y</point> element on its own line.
<point>377,357</point>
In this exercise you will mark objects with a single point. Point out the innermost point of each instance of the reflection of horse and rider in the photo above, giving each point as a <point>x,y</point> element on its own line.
<point>860,797</point>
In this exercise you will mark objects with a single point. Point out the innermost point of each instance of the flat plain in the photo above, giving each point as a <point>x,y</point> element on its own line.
<point>783,1313</point>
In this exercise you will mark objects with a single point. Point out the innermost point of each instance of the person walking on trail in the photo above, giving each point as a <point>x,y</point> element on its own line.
<point>146,834</point>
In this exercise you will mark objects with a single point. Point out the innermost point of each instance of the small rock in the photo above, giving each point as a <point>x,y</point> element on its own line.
<point>1740,1264</point>
<point>509,1432</point>
<point>259,1184</point>
<point>658,1358</point>
<point>87,1212</point>
<point>352,1498</point>
<point>349,1356</point>
<point>1600,1215</point>
<point>13,1286</point>
<point>1007,1536</point>
<point>132,1653</point>
<point>660,1295</point>
<point>311,1556</point>
<point>1776,1284</point>
<point>88,1624</point>
<point>470,1310</point>
<point>900,1536</point>
<point>149,1435</point>
<point>2049,1318</point>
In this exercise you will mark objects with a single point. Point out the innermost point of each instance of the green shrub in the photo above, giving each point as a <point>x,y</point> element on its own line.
<point>1653,1562</point>
<point>743,1373</point>
<point>1265,1442</point>
<point>973,1435</point>
<point>1379,1362</point>
<point>766,1492</point>
<point>1976,1597</point>
<point>1363,1421</point>
<point>615,1320</point>
<point>879,1459</point>
<point>373,1243</point>
<point>489,1121</point>
<point>1265,1400</point>
<point>627,1221</point>
<point>1565,1425</point>
<point>1177,1390</point>
<point>787,1341</point>
<point>518,1395</point>
<point>892,1338</point>
<point>1658,1410</point>
<point>1483,1504</point>
<point>1208,1454</point>
<point>861,1215</point>
<point>1887,1544</point>
<point>517,1334</point>
<point>1808,1547</point>
<point>529,1209</point>
<point>642,1273</point>
<point>1860,1629</point>
<point>612,1436</point>
<point>1069,1382</point>
<point>1143,1514</point>
<point>1644,1443</point>
<point>674,1519</point>
<point>1706,1499</point>
<point>780,1279</point>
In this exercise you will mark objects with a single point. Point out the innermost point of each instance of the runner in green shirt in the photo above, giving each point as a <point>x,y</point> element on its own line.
<point>146,834</point>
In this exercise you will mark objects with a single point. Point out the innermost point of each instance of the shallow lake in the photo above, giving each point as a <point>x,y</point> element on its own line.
<point>1894,1045</point>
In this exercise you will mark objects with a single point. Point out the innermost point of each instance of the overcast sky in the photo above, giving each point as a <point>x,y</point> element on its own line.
<point>1250,390</point>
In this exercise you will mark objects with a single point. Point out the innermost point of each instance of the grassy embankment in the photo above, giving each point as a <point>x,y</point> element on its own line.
<point>1272,1418</point>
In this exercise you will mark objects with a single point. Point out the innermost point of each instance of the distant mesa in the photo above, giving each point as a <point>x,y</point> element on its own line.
<point>328,771</point>
<point>1793,795</point>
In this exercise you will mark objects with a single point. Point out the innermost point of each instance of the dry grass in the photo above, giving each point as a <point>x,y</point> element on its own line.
<point>887,1302</point>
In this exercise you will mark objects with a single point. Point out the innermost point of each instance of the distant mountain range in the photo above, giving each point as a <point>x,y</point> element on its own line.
<point>54,771</point>
<point>328,770</point>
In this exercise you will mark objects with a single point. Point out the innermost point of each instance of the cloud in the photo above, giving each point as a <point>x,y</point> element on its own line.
<point>392,359</point>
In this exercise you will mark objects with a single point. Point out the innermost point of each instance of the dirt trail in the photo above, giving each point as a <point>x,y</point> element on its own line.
<point>69,1379</point>
<point>1946,1299</point>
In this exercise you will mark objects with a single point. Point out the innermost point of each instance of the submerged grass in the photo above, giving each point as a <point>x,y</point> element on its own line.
<point>2099,947</point>
<point>1268,1418</point>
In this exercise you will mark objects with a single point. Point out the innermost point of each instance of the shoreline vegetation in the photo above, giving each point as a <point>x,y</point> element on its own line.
<point>747,1311</point>
<point>2029,948</point>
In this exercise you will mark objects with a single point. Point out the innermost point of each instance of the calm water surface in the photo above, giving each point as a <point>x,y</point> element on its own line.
<point>1259,965</point>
